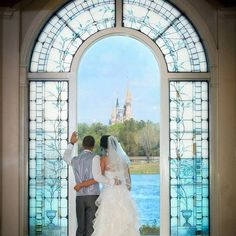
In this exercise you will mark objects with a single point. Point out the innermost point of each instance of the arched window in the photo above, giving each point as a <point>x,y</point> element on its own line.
<point>185,119</point>
<point>66,31</point>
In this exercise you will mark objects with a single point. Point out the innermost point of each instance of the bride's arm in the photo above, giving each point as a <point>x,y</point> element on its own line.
<point>127,178</point>
<point>103,163</point>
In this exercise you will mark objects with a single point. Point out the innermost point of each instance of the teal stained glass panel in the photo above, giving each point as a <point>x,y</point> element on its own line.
<point>48,132</point>
<point>189,158</point>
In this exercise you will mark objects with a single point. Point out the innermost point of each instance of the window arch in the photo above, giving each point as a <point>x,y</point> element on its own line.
<point>71,25</point>
<point>180,44</point>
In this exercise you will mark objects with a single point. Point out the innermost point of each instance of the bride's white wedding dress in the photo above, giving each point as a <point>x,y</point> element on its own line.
<point>116,214</point>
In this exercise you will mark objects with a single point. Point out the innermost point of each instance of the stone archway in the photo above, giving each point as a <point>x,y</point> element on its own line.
<point>173,71</point>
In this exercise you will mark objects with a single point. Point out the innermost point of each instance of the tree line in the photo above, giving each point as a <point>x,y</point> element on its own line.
<point>138,138</point>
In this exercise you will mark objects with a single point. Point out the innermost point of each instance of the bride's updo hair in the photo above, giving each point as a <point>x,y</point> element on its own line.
<point>104,142</point>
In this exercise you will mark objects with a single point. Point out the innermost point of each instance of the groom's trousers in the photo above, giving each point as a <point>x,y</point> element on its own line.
<point>85,213</point>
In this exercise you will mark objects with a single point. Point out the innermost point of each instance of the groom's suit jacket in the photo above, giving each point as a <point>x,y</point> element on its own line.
<point>82,168</point>
<point>86,166</point>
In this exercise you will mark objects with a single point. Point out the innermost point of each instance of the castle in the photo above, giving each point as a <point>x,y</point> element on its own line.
<point>121,114</point>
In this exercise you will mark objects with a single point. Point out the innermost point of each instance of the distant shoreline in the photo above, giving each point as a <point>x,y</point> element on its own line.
<point>144,167</point>
<point>143,158</point>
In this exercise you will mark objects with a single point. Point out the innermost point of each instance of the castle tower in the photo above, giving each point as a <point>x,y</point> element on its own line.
<point>127,106</point>
<point>117,114</point>
<point>113,116</point>
<point>121,114</point>
<point>114,113</point>
<point>117,103</point>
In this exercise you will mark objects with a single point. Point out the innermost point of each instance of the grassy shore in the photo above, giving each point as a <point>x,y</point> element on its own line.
<point>148,230</point>
<point>145,167</point>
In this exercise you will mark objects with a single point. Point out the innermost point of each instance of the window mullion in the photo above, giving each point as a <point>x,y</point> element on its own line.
<point>119,13</point>
<point>189,76</point>
<point>51,76</point>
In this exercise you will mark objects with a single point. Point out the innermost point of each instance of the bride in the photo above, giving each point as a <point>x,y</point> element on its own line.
<point>116,214</point>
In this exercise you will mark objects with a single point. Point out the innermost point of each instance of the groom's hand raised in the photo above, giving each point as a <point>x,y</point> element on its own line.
<point>73,138</point>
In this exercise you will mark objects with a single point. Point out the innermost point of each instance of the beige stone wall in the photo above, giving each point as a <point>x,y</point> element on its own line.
<point>10,124</point>
<point>13,31</point>
<point>208,12</point>
<point>0,121</point>
<point>227,121</point>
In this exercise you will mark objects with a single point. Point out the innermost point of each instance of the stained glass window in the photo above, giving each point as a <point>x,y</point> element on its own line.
<point>67,29</point>
<point>170,30</point>
<point>189,158</point>
<point>183,50</point>
<point>48,130</point>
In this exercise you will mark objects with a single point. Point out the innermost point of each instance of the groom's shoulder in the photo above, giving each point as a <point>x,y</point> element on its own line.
<point>96,156</point>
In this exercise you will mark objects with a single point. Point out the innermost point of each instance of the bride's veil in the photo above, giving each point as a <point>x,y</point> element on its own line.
<point>118,161</point>
<point>117,158</point>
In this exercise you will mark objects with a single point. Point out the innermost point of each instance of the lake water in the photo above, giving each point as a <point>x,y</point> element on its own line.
<point>146,192</point>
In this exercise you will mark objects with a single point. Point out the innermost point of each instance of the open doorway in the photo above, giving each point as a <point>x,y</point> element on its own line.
<point>118,93</point>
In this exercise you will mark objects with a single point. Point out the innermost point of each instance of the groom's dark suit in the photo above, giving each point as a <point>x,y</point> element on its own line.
<point>86,197</point>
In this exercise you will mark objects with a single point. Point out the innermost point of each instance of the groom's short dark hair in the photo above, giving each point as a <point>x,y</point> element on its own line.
<point>88,141</point>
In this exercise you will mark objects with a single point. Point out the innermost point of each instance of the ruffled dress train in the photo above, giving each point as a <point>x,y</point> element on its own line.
<point>117,213</point>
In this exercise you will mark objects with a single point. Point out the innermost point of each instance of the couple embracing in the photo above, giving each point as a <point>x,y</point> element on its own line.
<point>112,211</point>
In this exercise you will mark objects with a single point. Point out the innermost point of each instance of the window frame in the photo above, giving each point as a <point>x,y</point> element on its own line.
<point>165,77</point>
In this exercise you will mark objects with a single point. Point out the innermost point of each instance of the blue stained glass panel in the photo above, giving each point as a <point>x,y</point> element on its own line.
<point>170,30</point>
<point>189,158</point>
<point>48,132</point>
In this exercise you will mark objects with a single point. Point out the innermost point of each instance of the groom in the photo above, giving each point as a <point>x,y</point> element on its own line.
<point>85,197</point>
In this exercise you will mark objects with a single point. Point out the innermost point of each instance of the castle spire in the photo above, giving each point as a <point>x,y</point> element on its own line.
<point>128,96</point>
<point>127,106</point>
<point>117,102</point>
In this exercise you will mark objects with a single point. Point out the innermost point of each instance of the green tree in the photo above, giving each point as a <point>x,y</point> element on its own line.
<point>96,130</point>
<point>114,129</point>
<point>127,137</point>
<point>149,139</point>
<point>83,129</point>
<point>138,138</point>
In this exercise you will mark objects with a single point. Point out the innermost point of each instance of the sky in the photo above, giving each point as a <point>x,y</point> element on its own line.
<point>107,69</point>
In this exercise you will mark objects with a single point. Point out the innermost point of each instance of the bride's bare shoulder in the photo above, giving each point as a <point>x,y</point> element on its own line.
<point>103,163</point>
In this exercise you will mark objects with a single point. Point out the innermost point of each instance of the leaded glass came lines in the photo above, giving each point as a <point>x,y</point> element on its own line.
<point>170,30</point>
<point>48,131</point>
<point>189,158</point>
<point>67,30</point>
<point>161,21</point>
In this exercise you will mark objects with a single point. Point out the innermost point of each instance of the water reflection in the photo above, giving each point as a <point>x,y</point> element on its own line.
<point>146,192</point>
